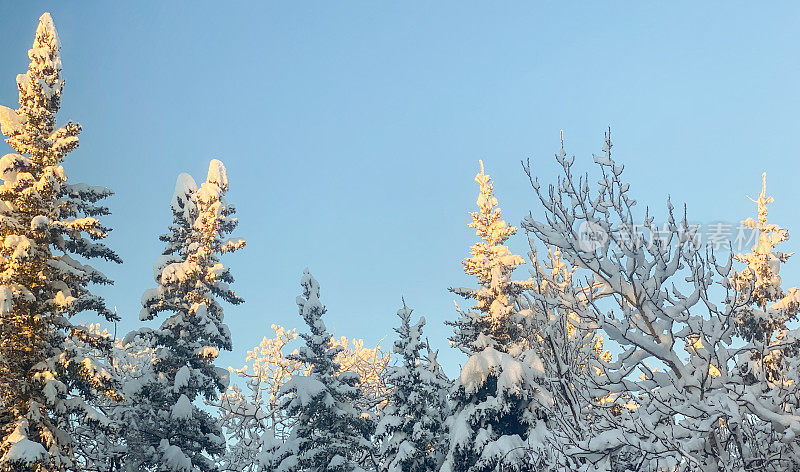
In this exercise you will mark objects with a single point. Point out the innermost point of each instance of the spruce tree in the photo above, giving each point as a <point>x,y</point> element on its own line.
<point>494,319</point>
<point>494,399</point>
<point>174,433</point>
<point>48,369</point>
<point>769,364</point>
<point>411,429</point>
<point>330,434</point>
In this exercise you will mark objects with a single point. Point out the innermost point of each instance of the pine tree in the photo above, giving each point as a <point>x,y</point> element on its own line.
<point>251,414</point>
<point>494,320</point>
<point>411,429</point>
<point>175,433</point>
<point>494,399</point>
<point>49,366</point>
<point>769,364</point>
<point>760,283</point>
<point>329,433</point>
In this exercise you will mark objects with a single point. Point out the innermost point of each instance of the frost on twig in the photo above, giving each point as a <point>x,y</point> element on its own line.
<point>685,389</point>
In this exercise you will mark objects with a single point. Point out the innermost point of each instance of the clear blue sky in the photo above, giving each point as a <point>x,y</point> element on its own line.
<point>352,130</point>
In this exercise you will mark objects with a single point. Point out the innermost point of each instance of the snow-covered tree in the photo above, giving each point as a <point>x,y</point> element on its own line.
<point>371,364</point>
<point>759,281</point>
<point>248,414</point>
<point>411,429</point>
<point>494,318</point>
<point>329,432</point>
<point>569,348</point>
<point>106,450</point>
<point>769,363</point>
<point>50,368</point>
<point>175,433</point>
<point>494,423</point>
<point>244,421</point>
<point>679,392</point>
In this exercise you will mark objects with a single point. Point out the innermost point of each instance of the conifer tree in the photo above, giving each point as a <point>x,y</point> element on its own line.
<point>106,449</point>
<point>49,371</point>
<point>760,283</point>
<point>769,365</point>
<point>494,399</point>
<point>494,320</point>
<point>175,434</point>
<point>252,417</point>
<point>329,433</point>
<point>411,429</point>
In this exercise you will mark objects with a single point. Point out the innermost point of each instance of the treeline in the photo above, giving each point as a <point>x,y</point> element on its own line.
<point>630,346</point>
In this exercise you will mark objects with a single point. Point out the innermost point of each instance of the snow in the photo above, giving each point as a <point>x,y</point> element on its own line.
<point>185,187</point>
<point>510,372</point>
<point>181,378</point>
<point>23,450</point>
<point>10,121</point>
<point>39,223</point>
<point>6,299</point>
<point>174,459</point>
<point>208,352</point>
<point>47,28</point>
<point>217,174</point>
<point>790,300</point>
<point>306,389</point>
<point>182,409</point>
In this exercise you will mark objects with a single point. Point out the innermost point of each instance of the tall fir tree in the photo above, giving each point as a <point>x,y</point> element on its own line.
<point>764,321</point>
<point>493,400</point>
<point>329,433</point>
<point>494,320</point>
<point>411,429</point>
<point>769,364</point>
<point>174,433</point>
<point>48,368</point>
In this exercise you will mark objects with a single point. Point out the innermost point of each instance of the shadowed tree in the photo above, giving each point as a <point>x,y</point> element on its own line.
<point>173,432</point>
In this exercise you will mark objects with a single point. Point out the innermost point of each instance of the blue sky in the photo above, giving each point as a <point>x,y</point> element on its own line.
<point>352,130</point>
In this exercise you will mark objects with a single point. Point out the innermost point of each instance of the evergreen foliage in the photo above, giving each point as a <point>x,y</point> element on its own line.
<point>411,429</point>
<point>330,433</point>
<point>174,433</point>
<point>51,369</point>
<point>495,420</point>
